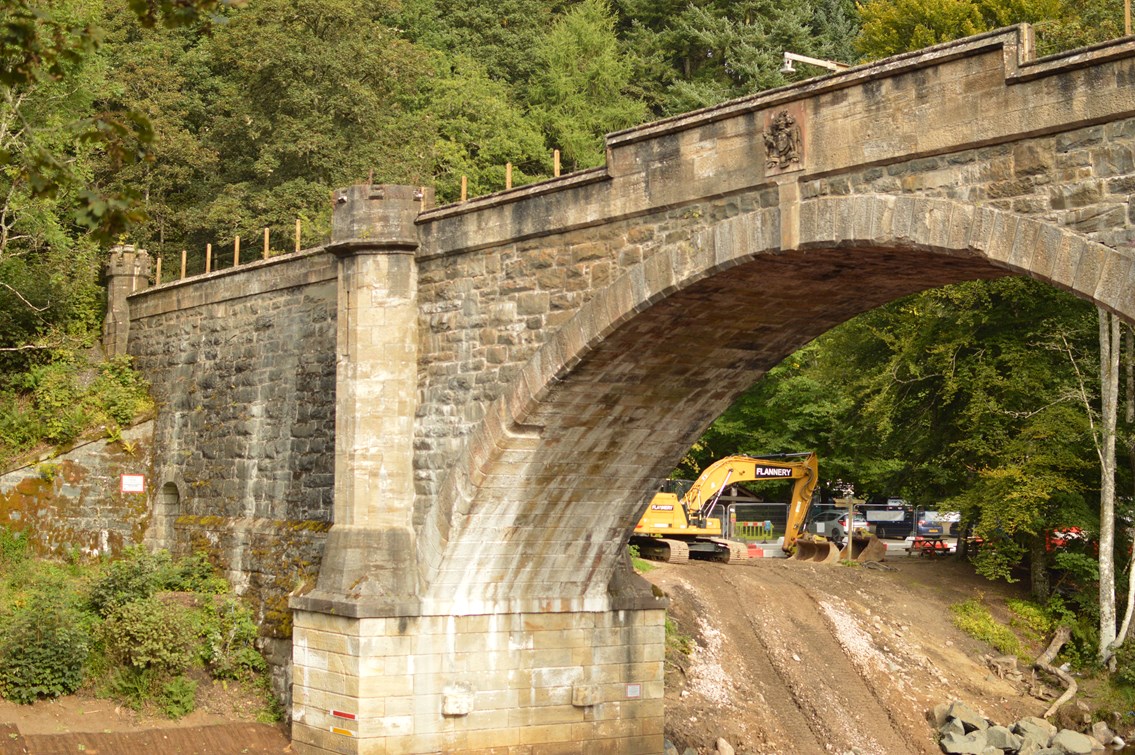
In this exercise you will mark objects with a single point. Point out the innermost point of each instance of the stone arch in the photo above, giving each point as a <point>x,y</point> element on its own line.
<point>533,516</point>
<point>167,508</point>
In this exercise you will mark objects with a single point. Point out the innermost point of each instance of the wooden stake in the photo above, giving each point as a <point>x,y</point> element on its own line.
<point>1127,18</point>
<point>236,251</point>
<point>265,242</point>
<point>556,163</point>
<point>298,225</point>
<point>464,188</point>
<point>158,271</point>
<point>208,257</point>
<point>182,264</point>
<point>507,176</point>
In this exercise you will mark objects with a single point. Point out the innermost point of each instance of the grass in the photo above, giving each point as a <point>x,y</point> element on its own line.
<point>974,619</point>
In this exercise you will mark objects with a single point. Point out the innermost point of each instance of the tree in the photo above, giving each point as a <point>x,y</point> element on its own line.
<point>691,55</point>
<point>478,129</point>
<point>894,26</point>
<point>579,93</point>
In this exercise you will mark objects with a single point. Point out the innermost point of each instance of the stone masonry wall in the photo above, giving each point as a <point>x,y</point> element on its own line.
<point>485,312</point>
<point>73,502</point>
<point>242,366</point>
<point>512,684</point>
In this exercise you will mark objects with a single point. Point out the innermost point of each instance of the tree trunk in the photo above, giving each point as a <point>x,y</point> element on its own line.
<point>1038,568</point>
<point>1109,392</point>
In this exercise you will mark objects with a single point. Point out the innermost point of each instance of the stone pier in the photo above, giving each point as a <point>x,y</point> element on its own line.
<point>373,670</point>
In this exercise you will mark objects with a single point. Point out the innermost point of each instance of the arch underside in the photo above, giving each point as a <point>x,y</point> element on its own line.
<point>606,410</point>
<point>556,503</point>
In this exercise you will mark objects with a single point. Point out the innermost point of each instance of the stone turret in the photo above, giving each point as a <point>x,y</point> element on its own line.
<point>127,270</point>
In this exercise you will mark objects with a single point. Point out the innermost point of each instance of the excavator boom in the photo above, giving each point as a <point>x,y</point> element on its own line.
<point>672,529</point>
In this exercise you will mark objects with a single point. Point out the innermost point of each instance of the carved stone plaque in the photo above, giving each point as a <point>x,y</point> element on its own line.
<point>784,145</point>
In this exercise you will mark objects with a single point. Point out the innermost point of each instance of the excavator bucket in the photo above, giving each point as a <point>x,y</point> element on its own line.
<point>816,551</point>
<point>866,548</point>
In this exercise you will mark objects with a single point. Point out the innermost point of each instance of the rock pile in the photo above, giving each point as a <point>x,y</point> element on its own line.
<point>963,730</point>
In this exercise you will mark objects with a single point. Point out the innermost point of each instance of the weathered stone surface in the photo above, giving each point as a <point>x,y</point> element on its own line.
<point>1071,742</point>
<point>969,718</point>
<point>74,502</point>
<point>1036,727</point>
<point>1003,739</point>
<point>968,744</point>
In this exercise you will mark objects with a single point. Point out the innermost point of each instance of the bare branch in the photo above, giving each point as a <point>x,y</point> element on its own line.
<point>20,296</point>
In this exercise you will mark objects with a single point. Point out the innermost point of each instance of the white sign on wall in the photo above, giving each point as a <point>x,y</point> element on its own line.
<point>133,483</point>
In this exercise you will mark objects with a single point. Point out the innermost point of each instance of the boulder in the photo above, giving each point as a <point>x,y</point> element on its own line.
<point>1003,739</point>
<point>964,744</point>
<point>1071,742</point>
<point>938,715</point>
<point>1038,727</point>
<point>724,748</point>
<point>1102,732</point>
<point>952,726</point>
<point>970,718</point>
<point>1032,744</point>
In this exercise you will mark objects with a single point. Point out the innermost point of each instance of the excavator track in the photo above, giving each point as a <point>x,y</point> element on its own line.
<point>734,552</point>
<point>663,549</point>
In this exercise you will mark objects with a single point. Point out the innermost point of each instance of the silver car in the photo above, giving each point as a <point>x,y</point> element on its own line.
<point>833,525</point>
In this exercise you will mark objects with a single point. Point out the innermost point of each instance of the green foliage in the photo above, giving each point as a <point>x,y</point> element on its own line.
<point>640,565</point>
<point>150,634</point>
<point>677,641</point>
<point>580,89</point>
<point>178,697</point>
<point>893,26</point>
<point>43,649</point>
<point>1031,619</point>
<point>162,617</point>
<point>58,401</point>
<point>133,686</point>
<point>140,574</point>
<point>975,620</point>
<point>230,636</point>
<point>13,549</point>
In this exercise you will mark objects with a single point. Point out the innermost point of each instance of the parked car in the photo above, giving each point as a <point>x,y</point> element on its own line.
<point>929,525</point>
<point>891,517</point>
<point>833,525</point>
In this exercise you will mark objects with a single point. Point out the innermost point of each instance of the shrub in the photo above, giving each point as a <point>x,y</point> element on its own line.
<point>178,697</point>
<point>150,634</point>
<point>129,579</point>
<point>230,635</point>
<point>975,620</point>
<point>58,402</point>
<point>119,392</point>
<point>132,686</point>
<point>140,574</point>
<point>43,650</point>
<point>13,548</point>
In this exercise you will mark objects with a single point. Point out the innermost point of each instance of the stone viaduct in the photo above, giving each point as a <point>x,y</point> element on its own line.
<point>424,445</point>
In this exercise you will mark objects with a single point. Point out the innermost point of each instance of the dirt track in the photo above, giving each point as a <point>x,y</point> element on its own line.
<point>793,657</point>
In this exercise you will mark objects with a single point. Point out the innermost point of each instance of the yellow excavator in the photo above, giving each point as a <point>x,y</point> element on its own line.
<point>674,528</point>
